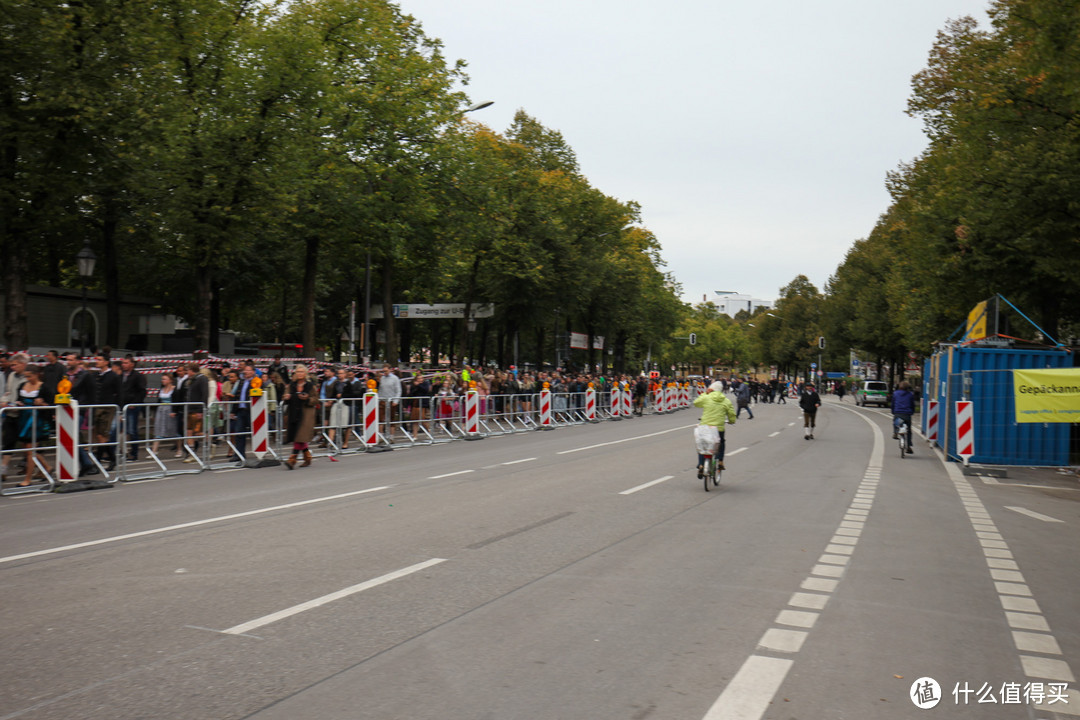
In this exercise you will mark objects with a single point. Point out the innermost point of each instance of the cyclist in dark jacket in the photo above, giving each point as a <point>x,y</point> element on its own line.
<point>903,406</point>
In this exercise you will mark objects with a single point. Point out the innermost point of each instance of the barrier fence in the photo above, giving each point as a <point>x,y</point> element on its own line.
<point>155,440</point>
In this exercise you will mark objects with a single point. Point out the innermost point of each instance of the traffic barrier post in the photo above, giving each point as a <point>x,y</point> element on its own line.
<point>932,422</point>
<point>545,408</point>
<point>472,413</point>
<point>965,430</point>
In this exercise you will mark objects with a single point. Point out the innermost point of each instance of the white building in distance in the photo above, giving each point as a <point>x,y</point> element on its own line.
<point>731,303</point>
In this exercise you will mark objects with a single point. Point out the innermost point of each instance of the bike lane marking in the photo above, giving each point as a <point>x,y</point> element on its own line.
<point>1031,632</point>
<point>751,690</point>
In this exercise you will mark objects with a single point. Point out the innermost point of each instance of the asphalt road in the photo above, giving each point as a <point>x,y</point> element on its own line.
<point>577,573</point>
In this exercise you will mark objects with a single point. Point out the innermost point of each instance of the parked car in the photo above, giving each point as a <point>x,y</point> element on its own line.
<point>872,391</point>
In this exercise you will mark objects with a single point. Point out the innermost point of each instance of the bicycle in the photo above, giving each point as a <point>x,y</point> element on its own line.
<point>901,433</point>
<point>711,471</point>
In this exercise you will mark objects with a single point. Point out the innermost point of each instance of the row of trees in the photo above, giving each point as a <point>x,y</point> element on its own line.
<point>246,162</point>
<point>992,206</point>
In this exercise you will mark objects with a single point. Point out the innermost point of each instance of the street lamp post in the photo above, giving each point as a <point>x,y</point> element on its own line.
<point>85,261</point>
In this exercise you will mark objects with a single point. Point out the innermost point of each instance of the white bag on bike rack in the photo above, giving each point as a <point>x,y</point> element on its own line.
<point>707,439</point>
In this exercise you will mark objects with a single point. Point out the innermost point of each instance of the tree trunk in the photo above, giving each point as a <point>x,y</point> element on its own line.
<point>111,265</point>
<point>203,300</point>
<point>16,330</point>
<point>391,344</point>
<point>307,312</point>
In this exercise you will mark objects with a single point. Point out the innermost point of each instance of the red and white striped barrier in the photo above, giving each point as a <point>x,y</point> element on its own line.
<point>627,401</point>
<point>67,441</point>
<point>590,403</point>
<point>965,429</point>
<point>616,401</point>
<point>472,414</point>
<point>371,418</point>
<point>932,421</point>
<point>545,408</point>
<point>661,404</point>
<point>259,423</point>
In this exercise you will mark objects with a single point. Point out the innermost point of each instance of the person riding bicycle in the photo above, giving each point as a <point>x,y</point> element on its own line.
<point>716,410</point>
<point>903,406</point>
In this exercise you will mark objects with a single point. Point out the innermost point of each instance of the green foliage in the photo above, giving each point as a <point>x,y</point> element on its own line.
<point>250,156</point>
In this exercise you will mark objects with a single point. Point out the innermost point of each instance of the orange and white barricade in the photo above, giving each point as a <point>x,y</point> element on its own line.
<point>616,401</point>
<point>67,434</point>
<point>590,404</point>
<point>259,420</point>
<point>371,416</point>
<point>627,403</point>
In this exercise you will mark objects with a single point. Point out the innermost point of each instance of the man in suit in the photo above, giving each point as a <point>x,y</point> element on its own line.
<point>241,412</point>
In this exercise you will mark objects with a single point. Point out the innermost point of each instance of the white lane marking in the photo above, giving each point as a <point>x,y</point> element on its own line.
<point>736,452</point>
<point>183,526</point>
<point>1033,514</point>
<point>630,439</point>
<point>751,690</point>
<point>646,485</point>
<point>774,434</point>
<point>317,602</point>
<point>459,472</point>
<point>515,462</point>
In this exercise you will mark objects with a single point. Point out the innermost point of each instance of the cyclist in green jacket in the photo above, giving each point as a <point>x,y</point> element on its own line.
<point>716,410</point>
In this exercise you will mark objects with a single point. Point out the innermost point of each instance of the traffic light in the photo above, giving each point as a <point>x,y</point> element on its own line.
<point>693,338</point>
<point>821,342</point>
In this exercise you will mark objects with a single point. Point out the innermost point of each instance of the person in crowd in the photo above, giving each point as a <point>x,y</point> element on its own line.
<point>197,397</point>
<point>84,392</point>
<point>166,420</point>
<point>301,399</point>
<point>742,399</point>
<point>240,412</point>
<point>338,394</point>
<point>53,371</point>
<point>108,394</point>
<point>419,393</point>
<point>389,399</point>
<point>9,396</point>
<point>34,426</point>
<point>132,392</point>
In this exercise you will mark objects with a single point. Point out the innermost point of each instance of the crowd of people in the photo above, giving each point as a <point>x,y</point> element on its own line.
<point>171,410</point>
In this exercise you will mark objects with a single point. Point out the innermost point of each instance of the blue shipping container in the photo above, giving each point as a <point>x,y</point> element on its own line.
<point>984,376</point>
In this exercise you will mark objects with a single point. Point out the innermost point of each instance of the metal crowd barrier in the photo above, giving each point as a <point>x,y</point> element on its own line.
<point>139,423</point>
<point>109,433</point>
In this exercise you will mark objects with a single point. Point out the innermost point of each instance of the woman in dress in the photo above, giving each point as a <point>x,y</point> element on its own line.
<point>165,420</point>
<point>300,400</point>
<point>34,427</point>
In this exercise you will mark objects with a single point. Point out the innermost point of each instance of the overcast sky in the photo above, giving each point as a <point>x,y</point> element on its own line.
<point>756,136</point>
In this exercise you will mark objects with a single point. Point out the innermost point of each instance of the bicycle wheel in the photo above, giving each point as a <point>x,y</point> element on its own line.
<point>903,441</point>
<point>716,473</point>
<point>710,468</point>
